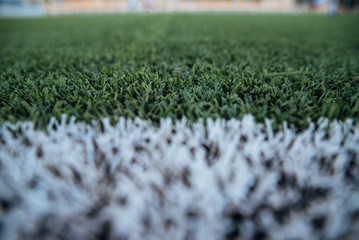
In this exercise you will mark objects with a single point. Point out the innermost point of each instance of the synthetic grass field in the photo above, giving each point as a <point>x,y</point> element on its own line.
<point>282,67</point>
<point>95,141</point>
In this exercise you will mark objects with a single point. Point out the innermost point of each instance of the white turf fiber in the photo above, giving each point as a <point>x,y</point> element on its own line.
<point>226,180</point>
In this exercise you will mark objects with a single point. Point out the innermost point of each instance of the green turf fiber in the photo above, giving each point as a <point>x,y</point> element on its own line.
<point>282,67</point>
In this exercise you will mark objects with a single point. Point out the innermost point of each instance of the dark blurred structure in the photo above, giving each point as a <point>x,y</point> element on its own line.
<point>345,4</point>
<point>43,7</point>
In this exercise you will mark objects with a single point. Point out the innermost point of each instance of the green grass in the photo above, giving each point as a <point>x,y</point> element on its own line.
<point>283,67</point>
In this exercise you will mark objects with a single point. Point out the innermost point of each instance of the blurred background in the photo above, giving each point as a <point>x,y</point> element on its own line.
<point>10,8</point>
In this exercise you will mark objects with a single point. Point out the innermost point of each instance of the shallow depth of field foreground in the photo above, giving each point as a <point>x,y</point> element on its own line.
<point>135,181</point>
<point>179,126</point>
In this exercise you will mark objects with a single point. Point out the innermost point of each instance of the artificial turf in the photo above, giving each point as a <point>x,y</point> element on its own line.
<point>220,65</point>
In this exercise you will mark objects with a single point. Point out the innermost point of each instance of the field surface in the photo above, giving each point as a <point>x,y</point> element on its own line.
<point>283,67</point>
<point>95,142</point>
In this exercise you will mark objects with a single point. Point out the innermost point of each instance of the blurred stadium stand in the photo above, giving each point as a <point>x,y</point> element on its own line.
<point>19,8</point>
<point>49,7</point>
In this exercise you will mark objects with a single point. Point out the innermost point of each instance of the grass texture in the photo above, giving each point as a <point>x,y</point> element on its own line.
<point>282,67</point>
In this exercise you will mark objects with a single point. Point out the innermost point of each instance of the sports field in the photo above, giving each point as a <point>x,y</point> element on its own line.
<point>282,67</point>
<point>179,126</point>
